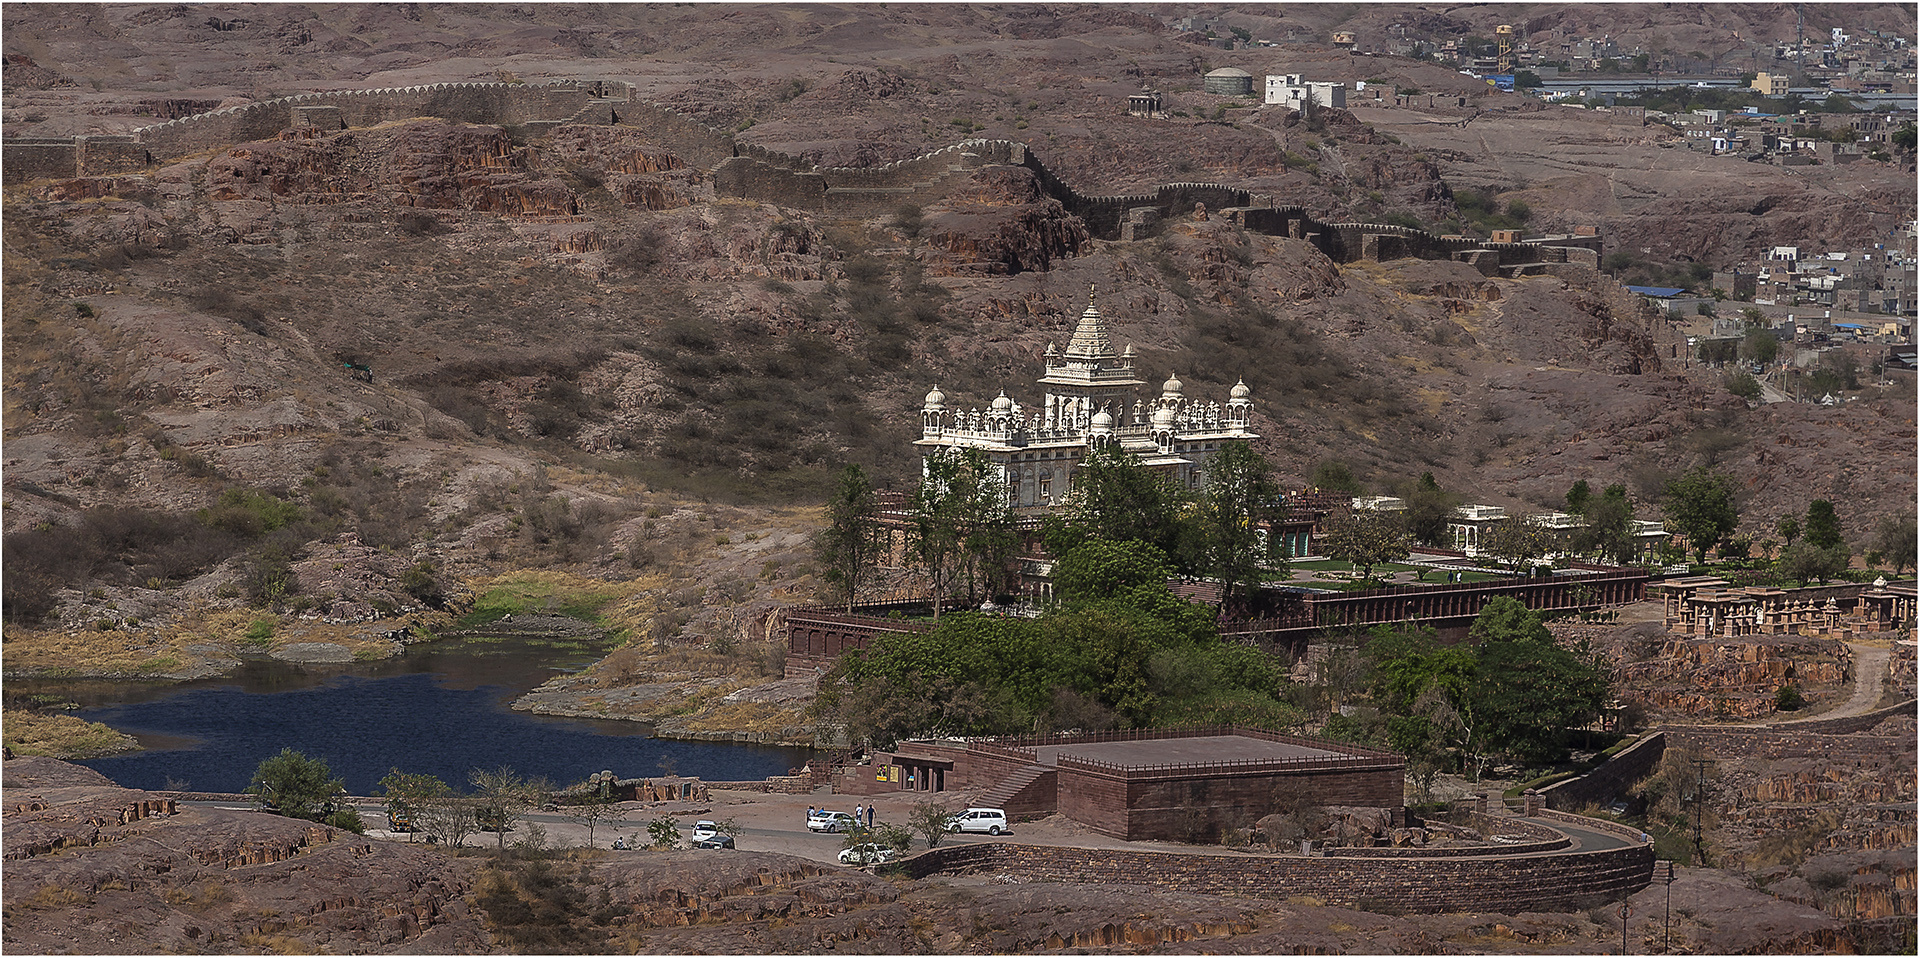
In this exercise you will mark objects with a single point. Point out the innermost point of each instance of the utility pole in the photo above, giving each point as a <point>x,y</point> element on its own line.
<point>1663,872</point>
<point>1699,805</point>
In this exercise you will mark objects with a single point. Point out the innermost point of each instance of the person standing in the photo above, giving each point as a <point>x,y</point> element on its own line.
<point>858,811</point>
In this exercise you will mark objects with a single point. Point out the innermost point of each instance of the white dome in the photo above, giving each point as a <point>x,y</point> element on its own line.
<point>1003,404</point>
<point>936,398</point>
<point>1102,424</point>
<point>1163,417</point>
<point>1171,388</point>
<point>1240,390</point>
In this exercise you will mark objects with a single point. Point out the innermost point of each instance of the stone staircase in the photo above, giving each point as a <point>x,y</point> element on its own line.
<point>1030,792</point>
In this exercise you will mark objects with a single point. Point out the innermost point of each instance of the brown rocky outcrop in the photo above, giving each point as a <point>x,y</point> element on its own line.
<point>99,869</point>
<point>999,223</point>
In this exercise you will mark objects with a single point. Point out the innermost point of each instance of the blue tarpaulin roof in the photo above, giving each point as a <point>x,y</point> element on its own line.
<point>1849,326</point>
<point>1660,291</point>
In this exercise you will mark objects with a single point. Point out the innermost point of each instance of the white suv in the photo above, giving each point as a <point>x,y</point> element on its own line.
<point>993,821</point>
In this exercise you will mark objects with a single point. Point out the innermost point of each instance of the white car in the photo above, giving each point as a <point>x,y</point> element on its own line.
<point>703,830</point>
<point>866,854</point>
<point>993,821</point>
<point>825,821</point>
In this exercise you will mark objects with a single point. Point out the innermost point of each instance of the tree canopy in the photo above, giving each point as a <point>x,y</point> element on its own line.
<point>1822,527</point>
<point>1700,506</point>
<point>1120,650</point>
<point>962,528</point>
<point>296,786</point>
<point>1116,499</point>
<point>1240,497</point>
<point>849,546</point>
<point>1366,538</point>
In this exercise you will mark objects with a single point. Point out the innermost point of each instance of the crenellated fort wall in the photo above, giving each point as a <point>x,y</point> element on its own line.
<point>753,172</point>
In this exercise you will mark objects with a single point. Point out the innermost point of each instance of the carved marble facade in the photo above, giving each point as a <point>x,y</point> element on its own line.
<point>1091,399</point>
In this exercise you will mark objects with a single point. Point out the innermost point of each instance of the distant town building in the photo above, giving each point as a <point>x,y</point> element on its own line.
<point>1770,84</point>
<point>1290,91</point>
<point>1228,81</point>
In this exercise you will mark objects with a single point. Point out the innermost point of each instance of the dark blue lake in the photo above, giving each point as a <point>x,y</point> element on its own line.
<point>440,712</point>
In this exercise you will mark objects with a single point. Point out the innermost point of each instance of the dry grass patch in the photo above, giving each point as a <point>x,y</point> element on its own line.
<point>63,736</point>
<point>91,652</point>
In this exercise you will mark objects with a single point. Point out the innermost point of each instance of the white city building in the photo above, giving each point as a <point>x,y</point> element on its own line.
<point>1290,91</point>
<point>1091,400</point>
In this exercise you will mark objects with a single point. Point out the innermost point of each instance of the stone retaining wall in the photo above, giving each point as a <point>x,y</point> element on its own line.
<point>1614,776</point>
<point>1511,885</point>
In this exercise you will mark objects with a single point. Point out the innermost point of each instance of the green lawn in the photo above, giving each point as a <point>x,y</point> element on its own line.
<point>1433,577</point>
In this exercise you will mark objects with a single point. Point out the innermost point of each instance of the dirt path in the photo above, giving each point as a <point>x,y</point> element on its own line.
<point>1869,671</point>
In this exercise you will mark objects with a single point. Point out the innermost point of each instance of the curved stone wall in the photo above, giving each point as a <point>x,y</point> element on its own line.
<point>1542,882</point>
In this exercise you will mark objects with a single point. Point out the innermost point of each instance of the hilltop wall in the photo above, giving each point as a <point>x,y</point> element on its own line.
<point>754,172</point>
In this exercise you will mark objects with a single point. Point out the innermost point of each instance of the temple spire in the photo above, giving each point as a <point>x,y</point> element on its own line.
<point>1090,343</point>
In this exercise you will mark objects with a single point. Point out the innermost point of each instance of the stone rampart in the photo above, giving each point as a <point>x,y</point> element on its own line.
<point>1542,882</point>
<point>1614,776</point>
<point>506,104</point>
<point>33,159</point>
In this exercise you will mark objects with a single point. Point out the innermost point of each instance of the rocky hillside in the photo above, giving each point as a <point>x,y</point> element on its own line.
<point>92,868</point>
<point>575,351</point>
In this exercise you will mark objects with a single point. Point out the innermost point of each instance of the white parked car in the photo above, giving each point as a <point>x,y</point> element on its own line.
<point>703,830</point>
<point>993,821</point>
<point>866,854</point>
<point>825,821</point>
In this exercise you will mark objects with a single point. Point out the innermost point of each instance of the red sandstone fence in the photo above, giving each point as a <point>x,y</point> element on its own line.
<point>1226,767</point>
<point>1183,731</point>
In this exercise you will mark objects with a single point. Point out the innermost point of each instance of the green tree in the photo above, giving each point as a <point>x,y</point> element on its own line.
<point>1528,690</point>
<point>1577,498</point>
<point>1700,506</point>
<point>1237,508</point>
<point>296,786</point>
<point>960,522</point>
<point>1759,345</point>
<point>1366,538</point>
<point>1806,562</point>
<point>1894,538</point>
<point>930,820</point>
<point>1529,694</point>
<point>850,546</point>
<point>1428,510</point>
<point>1741,383</point>
<point>1116,499</point>
<point>1518,540</point>
<point>431,804</point>
<point>664,832</point>
<point>1099,569</point>
<point>1822,527</point>
<point>1335,476</point>
<point>1789,529</point>
<point>1609,529</point>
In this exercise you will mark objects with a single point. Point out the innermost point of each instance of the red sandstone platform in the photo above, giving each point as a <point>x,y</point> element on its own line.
<point>1182,751</point>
